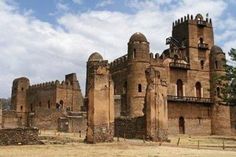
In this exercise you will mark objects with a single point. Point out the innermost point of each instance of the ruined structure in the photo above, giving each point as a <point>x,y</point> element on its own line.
<point>173,93</point>
<point>100,92</point>
<point>42,105</point>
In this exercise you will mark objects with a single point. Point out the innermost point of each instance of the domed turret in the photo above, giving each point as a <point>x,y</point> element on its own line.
<point>216,49</point>
<point>138,48</point>
<point>138,37</point>
<point>95,57</point>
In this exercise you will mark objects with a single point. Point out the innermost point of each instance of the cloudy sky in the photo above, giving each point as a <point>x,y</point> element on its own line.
<point>46,39</point>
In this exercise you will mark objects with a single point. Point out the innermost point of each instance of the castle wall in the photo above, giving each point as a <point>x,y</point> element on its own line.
<point>197,118</point>
<point>13,119</point>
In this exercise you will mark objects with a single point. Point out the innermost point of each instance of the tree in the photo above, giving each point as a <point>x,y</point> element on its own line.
<point>229,87</point>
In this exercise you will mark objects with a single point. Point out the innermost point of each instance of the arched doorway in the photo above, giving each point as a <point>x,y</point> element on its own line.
<point>198,89</point>
<point>181,125</point>
<point>179,84</point>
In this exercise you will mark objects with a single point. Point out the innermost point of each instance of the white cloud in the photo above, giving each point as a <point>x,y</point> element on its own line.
<point>43,52</point>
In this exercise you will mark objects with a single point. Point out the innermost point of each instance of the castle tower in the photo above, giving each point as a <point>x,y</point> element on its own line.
<point>195,35</point>
<point>77,97</point>
<point>221,124</point>
<point>138,62</point>
<point>100,94</point>
<point>19,94</point>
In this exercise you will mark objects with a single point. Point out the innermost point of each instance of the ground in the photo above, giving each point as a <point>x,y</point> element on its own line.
<point>70,145</point>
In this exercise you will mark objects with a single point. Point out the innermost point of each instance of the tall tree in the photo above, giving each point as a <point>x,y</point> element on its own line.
<point>229,88</point>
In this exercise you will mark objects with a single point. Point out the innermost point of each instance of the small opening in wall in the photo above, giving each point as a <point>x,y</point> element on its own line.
<point>202,64</point>
<point>21,108</point>
<point>40,104</point>
<point>218,91</point>
<point>49,104</point>
<point>139,88</point>
<point>216,65</point>
<point>22,89</point>
<point>134,53</point>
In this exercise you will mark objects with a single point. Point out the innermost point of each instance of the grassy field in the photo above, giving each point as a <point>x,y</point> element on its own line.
<point>70,145</point>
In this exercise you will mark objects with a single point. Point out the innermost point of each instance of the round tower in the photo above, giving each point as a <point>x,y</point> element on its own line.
<point>19,94</point>
<point>221,123</point>
<point>138,62</point>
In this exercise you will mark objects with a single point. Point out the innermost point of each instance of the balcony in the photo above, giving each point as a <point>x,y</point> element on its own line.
<point>188,99</point>
<point>177,65</point>
<point>203,46</point>
<point>201,23</point>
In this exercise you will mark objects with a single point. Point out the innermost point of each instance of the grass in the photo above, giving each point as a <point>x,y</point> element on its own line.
<point>71,145</point>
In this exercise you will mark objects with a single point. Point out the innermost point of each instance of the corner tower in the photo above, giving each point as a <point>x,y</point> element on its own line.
<point>138,62</point>
<point>19,94</point>
<point>195,35</point>
<point>221,120</point>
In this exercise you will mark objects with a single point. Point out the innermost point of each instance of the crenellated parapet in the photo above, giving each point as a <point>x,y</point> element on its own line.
<point>198,19</point>
<point>52,84</point>
<point>119,63</point>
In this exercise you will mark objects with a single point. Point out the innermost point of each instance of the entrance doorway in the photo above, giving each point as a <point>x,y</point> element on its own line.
<point>181,125</point>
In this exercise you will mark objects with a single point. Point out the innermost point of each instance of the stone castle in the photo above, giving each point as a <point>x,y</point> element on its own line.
<point>141,94</point>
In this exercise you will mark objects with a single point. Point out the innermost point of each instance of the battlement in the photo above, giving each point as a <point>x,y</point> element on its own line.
<point>119,62</point>
<point>51,84</point>
<point>198,20</point>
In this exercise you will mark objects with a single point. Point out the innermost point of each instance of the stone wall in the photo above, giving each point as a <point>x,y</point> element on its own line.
<point>46,119</point>
<point>130,127</point>
<point>18,136</point>
<point>197,118</point>
<point>192,126</point>
<point>13,119</point>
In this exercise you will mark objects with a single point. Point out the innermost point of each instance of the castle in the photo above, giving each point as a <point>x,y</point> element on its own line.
<point>174,93</point>
<point>142,94</point>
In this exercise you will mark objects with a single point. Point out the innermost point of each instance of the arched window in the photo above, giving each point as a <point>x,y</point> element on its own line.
<point>198,89</point>
<point>202,64</point>
<point>218,91</point>
<point>139,88</point>
<point>179,84</point>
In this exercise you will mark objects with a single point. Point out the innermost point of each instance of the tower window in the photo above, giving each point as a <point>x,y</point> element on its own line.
<point>139,88</point>
<point>134,53</point>
<point>31,107</point>
<point>21,108</point>
<point>216,65</point>
<point>179,84</point>
<point>40,104</point>
<point>202,64</point>
<point>22,89</point>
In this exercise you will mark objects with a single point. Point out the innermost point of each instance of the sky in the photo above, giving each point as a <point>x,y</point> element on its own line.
<point>46,39</point>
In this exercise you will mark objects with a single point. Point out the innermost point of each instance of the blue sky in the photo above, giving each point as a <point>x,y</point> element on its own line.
<point>46,39</point>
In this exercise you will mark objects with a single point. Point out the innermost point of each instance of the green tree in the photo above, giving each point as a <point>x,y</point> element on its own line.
<point>229,87</point>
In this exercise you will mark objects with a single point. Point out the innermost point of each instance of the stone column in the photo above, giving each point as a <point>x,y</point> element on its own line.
<point>156,106</point>
<point>100,106</point>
